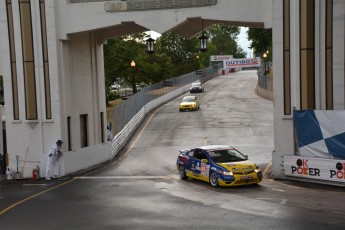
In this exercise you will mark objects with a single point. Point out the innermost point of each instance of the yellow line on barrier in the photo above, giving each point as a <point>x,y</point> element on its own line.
<point>75,178</point>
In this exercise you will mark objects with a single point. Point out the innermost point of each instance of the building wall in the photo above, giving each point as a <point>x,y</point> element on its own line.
<point>283,123</point>
<point>76,81</point>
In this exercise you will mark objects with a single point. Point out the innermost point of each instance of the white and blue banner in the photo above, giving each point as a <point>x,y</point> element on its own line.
<point>320,133</point>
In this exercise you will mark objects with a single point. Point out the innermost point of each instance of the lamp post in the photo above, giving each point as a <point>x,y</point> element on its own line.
<point>268,66</point>
<point>203,43</point>
<point>265,57</point>
<point>149,45</point>
<point>203,39</point>
<point>197,61</point>
<point>133,79</point>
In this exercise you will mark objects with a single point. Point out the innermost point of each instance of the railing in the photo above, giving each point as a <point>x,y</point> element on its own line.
<point>125,111</point>
<point>264,81</point>
<point>127,116</point>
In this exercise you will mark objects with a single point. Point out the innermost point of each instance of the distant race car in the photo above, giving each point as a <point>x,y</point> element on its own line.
<point>196,87</point>
<point>220,165</point>
<point>189,103</point>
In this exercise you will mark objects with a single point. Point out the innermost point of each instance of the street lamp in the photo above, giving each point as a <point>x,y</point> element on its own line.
<point>265,57</point>
<point>203,43</point>
<point>268,66</point>
<point>133,79</point>
<point>203,39</point>
<point>197,61</point>
<point>149,45</point>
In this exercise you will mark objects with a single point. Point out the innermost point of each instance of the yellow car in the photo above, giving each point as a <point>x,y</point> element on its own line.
<point>220,165</point>
<point>189,103</point>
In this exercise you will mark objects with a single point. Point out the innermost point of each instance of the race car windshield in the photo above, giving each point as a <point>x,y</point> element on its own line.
<point>196,84</point>
<point>188,99</point>
<point>226,155</point>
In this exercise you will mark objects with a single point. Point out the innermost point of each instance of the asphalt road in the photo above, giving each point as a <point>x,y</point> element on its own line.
<point>141,189</point>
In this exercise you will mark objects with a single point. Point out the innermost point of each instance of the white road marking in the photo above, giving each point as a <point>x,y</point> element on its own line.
<point>121,177</point>
<point>34,184</point>
<point>282,201</point>
<point>278,190</point>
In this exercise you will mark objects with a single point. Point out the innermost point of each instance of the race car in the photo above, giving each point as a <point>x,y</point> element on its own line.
<point>196,87</point>
<point>219,165</point>
<point>189,103</point>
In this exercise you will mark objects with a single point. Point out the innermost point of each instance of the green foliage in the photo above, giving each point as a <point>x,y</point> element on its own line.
<point>224,39</point>
<point>261,40</point>
<point>182,52</point>
<point>174,56</point>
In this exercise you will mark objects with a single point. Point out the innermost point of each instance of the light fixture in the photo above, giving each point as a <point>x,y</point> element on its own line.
<point>264,55</point>
<point>203,39</point>
<point>133,63</point>
<point>149,45</point>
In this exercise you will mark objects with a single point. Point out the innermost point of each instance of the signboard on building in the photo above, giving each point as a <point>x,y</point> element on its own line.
<point>315,168</point>
<point>134,5</point>
<point>221,57</point>
<point>242,62</point>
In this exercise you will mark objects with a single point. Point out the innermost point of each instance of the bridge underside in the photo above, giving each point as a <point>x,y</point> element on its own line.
<point>189,28</point>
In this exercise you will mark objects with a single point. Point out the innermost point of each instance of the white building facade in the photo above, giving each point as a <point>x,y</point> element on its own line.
<point>52,65</point>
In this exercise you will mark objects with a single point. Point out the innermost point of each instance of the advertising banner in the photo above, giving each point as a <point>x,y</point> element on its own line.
<point>242,62</point>
<point>221,57</point>
<point>315,168</point>
<point>320,133</point>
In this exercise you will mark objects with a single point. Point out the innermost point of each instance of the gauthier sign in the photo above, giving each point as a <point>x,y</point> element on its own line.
<point>220,57</point>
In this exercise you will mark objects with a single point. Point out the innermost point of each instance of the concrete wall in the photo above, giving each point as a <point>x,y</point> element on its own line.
<point>75,18</point>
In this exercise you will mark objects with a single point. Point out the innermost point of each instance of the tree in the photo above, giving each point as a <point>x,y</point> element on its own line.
<point>181,51</point>
<point>224,39</point>
<point>174,56</point>
<point>261,40</point>
<point>118,54</point>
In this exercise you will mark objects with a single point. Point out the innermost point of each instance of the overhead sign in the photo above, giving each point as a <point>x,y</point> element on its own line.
<point>242,62</point>
<point>132,5</point>
<point>315,168</point>
<point>221,57</point>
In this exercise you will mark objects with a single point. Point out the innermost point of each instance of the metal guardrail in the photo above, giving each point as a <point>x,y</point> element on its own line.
<point>125,111</point>
<point>264,81</point>
<point>127,116</point>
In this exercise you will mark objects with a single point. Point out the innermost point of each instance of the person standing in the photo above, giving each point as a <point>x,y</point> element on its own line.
<point>109,134</point>
<point>54,154</point>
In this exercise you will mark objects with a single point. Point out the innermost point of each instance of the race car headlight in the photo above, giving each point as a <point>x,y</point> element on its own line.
<point>225,173</point>
<point>257,170</point>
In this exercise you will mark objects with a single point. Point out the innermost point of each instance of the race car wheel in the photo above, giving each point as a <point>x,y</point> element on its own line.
<point>214,179</point>
<point>182,172</point>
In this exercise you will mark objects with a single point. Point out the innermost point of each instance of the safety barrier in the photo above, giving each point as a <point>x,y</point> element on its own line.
<point>124,135</point>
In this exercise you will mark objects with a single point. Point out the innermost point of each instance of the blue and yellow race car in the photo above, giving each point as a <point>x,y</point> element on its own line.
<point>220,165</point>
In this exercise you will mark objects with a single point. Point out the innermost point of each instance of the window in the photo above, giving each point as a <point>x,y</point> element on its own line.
<point>45,60</point>
<point>329,54</point>
<point>13,60</point>
<point>286,57</point>
<point>28,60</point>
<point>83,131</point>
<point>307,53</point>
<point>69,136</point>
<point>102,128</point>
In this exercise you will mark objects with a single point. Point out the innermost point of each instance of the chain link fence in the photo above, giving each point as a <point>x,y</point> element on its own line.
<point>126,110</point>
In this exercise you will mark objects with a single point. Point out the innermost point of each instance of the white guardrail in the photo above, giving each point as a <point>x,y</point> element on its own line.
<point>124,135</point>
